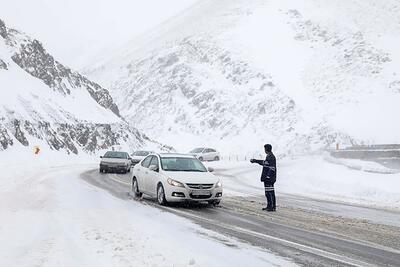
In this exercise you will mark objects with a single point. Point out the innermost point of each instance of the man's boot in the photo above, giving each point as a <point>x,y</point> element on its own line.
<point>269,201</point>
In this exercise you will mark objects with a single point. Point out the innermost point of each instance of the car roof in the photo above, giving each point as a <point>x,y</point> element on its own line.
<point>175,155</point>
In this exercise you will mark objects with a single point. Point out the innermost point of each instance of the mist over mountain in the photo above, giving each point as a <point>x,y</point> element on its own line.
<point>235,74</point>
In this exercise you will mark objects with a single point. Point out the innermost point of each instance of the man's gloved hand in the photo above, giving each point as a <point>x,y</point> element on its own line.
<point>252,160</point>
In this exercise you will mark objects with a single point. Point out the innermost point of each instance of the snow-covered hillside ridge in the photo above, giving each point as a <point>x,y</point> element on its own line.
<point>300,74</point>
<point>43,102</point>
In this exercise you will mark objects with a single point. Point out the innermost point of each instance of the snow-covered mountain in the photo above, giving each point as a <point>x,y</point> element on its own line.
<point>43,102</point>
<point>235,74</point>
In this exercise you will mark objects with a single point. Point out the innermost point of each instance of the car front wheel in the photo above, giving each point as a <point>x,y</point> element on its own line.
<point>135,188</point>
<point>161,195</point>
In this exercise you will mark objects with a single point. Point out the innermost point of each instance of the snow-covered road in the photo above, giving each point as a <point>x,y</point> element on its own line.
<point>50,217</point>
<point>309,237</point>
<point>71,215</point>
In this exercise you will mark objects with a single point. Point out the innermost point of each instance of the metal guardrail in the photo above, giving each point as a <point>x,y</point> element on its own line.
<point>372,152</point>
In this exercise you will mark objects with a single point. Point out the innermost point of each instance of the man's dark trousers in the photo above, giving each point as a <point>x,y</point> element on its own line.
<point>270,194</point>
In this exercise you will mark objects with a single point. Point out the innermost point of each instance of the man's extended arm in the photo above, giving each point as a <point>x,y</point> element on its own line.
<point>263,163</point>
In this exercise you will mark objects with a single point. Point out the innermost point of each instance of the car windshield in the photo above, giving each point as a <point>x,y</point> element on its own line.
<point>115,155</point>
<point>197,150</point>
<point>141,153</point>
<point>182,164</point>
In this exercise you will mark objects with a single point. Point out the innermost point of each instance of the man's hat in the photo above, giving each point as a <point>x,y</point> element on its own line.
<point>268,147</point>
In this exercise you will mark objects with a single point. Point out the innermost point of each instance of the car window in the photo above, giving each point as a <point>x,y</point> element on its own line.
<point>146,161</point>
<point>182,164</point>
<point>154,161</point>
<point>213,150</point>
<point>115,155</point>
<point>197,150</point>
<point>141,153</point>
<point>208,150</point>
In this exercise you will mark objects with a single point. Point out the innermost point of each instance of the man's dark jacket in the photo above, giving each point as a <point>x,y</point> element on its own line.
<point>268,174</point>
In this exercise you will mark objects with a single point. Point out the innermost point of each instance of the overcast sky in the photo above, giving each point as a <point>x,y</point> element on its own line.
<point>75,31</point>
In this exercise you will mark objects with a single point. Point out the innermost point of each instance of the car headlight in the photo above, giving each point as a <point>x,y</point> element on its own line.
<point>174,183</point>
<point>219,184</point>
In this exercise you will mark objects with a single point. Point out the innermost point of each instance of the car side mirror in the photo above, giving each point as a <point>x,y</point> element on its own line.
<point>153,168</point>
<point>101,157</point>
<point>210,169</point>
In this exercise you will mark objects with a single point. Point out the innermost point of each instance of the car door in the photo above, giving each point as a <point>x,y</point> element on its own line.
<point>213,154</point>
<point>207,154</point>
<point>152,179</point>
<point>142,173</point>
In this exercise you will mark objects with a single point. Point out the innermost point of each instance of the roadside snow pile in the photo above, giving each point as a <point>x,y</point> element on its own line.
<point>49,216</point>
<point>315,177</point>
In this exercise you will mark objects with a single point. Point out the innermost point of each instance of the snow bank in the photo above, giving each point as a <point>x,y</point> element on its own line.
<point>315,177</point>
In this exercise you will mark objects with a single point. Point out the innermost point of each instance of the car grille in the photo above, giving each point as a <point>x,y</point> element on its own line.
<point>112,163</point>
<point>200,197</point>
<point>200,186</point>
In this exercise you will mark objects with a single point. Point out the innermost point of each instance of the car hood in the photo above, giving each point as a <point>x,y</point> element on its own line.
<point>193,177</point>
<point>137,158</point>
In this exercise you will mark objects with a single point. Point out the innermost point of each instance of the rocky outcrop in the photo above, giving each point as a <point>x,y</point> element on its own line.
<point>3,30</point>
<point>37,117</point>
<point>3,65</point>
<point>70,138</point>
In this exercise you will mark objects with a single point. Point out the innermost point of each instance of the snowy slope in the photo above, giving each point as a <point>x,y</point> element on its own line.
<point>44,103</point>
<point>300,74</point>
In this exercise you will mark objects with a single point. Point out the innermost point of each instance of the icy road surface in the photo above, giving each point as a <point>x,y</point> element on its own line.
<point>308,232</point>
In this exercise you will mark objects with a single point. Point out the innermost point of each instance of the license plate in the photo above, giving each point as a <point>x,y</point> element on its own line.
<point>201,192</point>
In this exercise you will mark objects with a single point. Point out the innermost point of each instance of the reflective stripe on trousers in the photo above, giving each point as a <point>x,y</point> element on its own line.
<point>269,188</point>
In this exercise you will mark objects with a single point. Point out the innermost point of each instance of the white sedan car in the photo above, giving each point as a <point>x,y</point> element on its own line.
<point>206,154</point>
<point>137,156</point>
<point>175,178</point>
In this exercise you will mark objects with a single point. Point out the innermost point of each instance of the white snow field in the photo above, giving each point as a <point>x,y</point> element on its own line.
<point>301,75</point>
<point>51,217</point>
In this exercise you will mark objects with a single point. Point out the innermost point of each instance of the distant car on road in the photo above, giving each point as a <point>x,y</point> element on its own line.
<point>176,178</point>
<point>206,154</point>
<point>115,161</point>
<point>137,156</point>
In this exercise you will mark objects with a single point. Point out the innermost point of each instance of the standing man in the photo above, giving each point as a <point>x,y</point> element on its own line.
<point>268,176</point>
